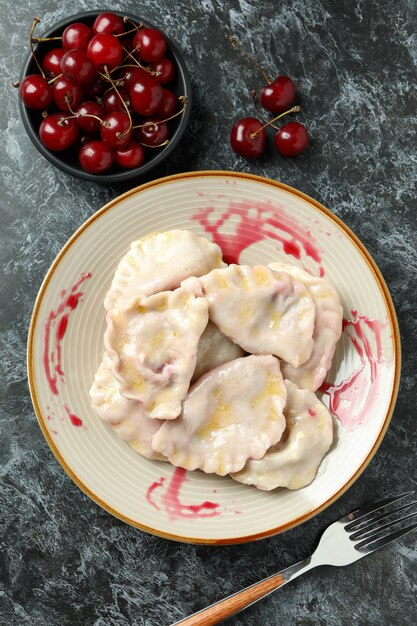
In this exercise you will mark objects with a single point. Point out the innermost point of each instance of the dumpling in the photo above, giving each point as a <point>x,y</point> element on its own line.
<point>152,344</point>
<point>233,413</point>
<point>159,262</point>
<point>265,312</point>
<point>327,329</point>
<point>294,461</point>
<point>213,350</point>
<point>126,417</point>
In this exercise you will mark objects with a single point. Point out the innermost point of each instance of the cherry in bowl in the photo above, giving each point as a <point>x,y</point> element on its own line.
<point>133,159</point>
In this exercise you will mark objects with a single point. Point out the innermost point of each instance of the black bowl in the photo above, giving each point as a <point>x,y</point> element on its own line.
<point>68,159</point>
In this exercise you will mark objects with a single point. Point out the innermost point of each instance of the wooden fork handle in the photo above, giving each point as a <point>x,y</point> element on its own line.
<point>242,599</point>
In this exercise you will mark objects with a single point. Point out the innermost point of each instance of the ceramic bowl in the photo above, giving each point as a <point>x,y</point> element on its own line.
<point>68,159</point>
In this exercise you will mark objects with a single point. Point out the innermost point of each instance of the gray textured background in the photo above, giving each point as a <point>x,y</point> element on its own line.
<point>63,559</point>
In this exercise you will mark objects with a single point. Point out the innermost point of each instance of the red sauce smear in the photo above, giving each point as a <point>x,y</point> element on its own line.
<point>55,329</point>
<point>352,399</point>
<point>75,421</point>
<point>170,499</point>
<point>255,224</point>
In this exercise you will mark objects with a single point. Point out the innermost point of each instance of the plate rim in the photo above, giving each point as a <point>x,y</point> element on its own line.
<point>381,285</point>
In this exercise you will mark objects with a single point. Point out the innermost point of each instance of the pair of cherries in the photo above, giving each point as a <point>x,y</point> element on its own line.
<point>248,136</point>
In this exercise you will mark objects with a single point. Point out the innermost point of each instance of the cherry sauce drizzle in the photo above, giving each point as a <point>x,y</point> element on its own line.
<point>258,221</point>
<point>55,329</point>
<point>352,399</point>
<point>170,499</point>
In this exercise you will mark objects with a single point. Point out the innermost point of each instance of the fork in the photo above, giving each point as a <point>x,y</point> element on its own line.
<point>350,538</point>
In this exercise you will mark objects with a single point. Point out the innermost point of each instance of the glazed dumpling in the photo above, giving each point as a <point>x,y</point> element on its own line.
<point>126,417</point>
<point>159,262</point>
<point>265,312</point>
<point>213,350</point>
<point>327,329</point>
<point>152,344</point>
<point>294,461</point>
<point>233,413</point>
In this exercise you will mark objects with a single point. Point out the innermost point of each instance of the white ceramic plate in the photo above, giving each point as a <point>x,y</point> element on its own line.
<point>255,220</point>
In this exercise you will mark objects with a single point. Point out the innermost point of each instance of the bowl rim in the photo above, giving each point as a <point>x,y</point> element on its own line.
<point>123,175</point>
<point>378,279</point>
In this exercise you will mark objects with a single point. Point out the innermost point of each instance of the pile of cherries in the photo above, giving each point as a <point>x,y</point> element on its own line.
<point>102,92</point>
<point>248,137</point>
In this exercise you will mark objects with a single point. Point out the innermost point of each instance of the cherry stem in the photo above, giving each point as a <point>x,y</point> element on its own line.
<point>106,71</point>
<point>160,145</point>
<point>120,67</point>
<point>182,99</point>
<point>35,21</point>
<point>294,109</point>
<point>39,39</point>
<point>76,115</point>
<point>54,79</point>
<point>137,64</point>
<point>236,44</point>
<point>133,30</point>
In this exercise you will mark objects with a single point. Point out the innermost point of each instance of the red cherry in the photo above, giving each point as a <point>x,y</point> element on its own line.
<point>150,44</point>
<point>131,74</point>
<point>51,63</point>
<point>279,95</point>
<point>96,88</point>
<point>168,104</point>
<point>104,49</point>
<point>165,70</point>
<point>58,133</point>
<point>146,95</point>
<point>109,23</point>
<point>81,141</point>
<point>131,156</point>
<point>116,130</point>
<point>77,36</point>
<point>96,157</point>
<point>78,67</point>
<point>112,101</point>
<point>291,139</point>
<point>247,137</point>
<point>35,92</point>
<point>89,124</point>
<point>154,133</point>
<point>65,92</point>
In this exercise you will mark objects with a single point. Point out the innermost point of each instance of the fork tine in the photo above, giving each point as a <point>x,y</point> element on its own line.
<point>363,526</point>
<point>358,514</point>
<point>359,536</point>
<point>371,546</point>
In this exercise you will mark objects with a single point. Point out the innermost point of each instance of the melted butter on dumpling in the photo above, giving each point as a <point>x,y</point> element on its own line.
<point>233,413</point>
<point>263,311</point>
<point>159,262</point>
<point>327,329</point>
<point>126,417</point>
<point>294,461</point>
<point>152,344</point>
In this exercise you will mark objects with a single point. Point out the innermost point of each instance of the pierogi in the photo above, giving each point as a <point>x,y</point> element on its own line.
<point>327,329</point>
<point>213,350</point>
<point>126,417</point>
<point>214,367</point>
<point>264,312</point>
<point>159,262</point>
<point>225,421</point>
<point>294,461</point>
<point>152,344</point>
